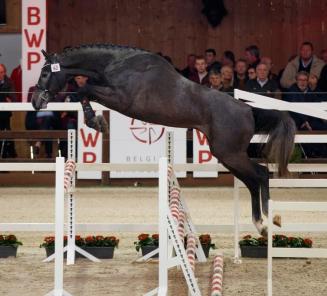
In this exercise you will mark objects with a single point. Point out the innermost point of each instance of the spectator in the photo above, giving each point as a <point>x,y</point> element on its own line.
<point>252,73</point>
<point>252,56</point>
<point>306,61</point>
<point>300,92</point>
<point>215,80</point>
<point>240,76</point>
<point>190,68</point>
<point>262,84</point>
<point>41,120</point>
<point>323,55</point>
<point>7,95</point>
<point>227,76</point>
<point>16,78</point>
<point>228,59</point>
<point>201,76</point>
<point>322,83</point>
<point>313,82</point>
<point>210,58</point>
<point>269,63</point>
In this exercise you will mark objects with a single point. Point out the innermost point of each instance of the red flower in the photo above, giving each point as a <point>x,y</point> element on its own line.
<point>247,236</point>
<point>78,237</point>
<point>99,237</point>
<point>111,238</point>
<point>2,238</point>
<point>143,236</point>
<point>155,236</point>
<point>307,243</point>
<point>89,239</point>
<point>65,238</point>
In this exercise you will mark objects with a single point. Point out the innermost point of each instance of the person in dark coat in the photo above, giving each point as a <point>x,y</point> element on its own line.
<point>189,70</point>
<point>201,76</point>
<point>212,63</point>
<point>322,83</point>
<point>266,87</point>
<point>7,95</point>
<point>300,92</point>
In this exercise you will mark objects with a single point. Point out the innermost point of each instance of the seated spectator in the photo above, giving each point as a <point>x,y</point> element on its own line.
<point>252,56</point>
<point>313,83</point>
<point>323,55</point>
<point>262,84</point>
<point>16,78</point>
<point>300,92</point>
<point>7,95</point>
<point>215,80</point>
<point>322,83</point>
<point>41,120</point>
<point>210,58</point>
<point>201,76</point>
<point>190,68</point>
<point>306,61</point>
<point>269,63</point>
<point>252,73</point>
<point>228,59</point>
<point>240,76</point>
<point>227,77</point>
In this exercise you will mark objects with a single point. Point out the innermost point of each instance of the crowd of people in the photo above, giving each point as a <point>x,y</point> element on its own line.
<point>304,79</point>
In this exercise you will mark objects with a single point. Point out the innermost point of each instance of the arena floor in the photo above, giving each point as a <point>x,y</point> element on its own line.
<point>27,275</point>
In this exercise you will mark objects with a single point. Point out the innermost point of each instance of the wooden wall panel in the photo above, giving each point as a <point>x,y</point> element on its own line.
<point>177,27</point>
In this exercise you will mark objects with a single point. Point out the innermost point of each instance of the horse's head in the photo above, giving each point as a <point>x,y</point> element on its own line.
<point>52,80</point>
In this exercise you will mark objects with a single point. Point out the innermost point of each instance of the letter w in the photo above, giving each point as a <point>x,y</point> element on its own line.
<point>89,140</point>
<point>33,39</point>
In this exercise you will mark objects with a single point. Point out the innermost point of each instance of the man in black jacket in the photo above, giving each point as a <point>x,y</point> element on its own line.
<point>262,84</point>
<point>7,95</point>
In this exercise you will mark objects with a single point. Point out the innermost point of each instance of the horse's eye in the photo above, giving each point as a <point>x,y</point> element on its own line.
<point>44,75</point>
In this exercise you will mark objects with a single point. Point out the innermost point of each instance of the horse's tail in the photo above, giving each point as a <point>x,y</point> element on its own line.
<point>280,143</point>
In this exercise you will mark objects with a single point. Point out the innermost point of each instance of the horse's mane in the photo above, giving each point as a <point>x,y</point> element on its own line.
<point>101,46</point>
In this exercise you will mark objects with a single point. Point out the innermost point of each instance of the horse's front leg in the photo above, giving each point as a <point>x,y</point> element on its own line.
<point>97,122</point>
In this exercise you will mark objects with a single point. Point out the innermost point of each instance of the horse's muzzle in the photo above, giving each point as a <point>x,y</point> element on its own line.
<point>40,99</point>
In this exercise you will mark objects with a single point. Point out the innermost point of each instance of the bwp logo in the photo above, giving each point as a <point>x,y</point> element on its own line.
<point>146,133</point>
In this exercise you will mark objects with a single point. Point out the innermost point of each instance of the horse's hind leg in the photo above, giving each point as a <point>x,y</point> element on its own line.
<point>244,169</point>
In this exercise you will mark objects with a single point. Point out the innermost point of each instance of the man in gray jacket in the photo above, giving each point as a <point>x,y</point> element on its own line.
<point>306,61</point>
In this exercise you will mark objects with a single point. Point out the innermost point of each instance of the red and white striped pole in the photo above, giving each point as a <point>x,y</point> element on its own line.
<point>68,174</point>
<point>217,276</point>
<point>190,249</point>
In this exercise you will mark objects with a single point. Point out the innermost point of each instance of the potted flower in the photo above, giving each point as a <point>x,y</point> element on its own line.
<point>205,240</point>
<point>8,245</point>
<point>147,244</point>
<point>257,247</point>
<point>98,246</point>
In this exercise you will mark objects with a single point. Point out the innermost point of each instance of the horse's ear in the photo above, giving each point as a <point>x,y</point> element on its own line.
<point>47,56</point>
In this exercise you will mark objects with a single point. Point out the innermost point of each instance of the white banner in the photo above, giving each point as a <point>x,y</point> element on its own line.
<point>33,40</point>
<point>138,142</point>
<point>202,154</point>
<point>89,147</point>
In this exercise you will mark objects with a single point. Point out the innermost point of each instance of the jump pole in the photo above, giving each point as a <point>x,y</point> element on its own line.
<point>59,231</point>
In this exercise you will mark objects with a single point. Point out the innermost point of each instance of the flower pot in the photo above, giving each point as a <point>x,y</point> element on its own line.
<point>148,249</point>
<point>254,251</point>
<point>100,252</point>
<point>7,251</point>
<point>206,249</point>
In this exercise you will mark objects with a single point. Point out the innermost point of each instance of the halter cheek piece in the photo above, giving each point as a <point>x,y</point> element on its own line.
<point>54,68</point>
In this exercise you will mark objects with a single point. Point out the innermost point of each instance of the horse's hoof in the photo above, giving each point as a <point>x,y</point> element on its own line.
<point>277,220</point>
<point>264,231</point>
